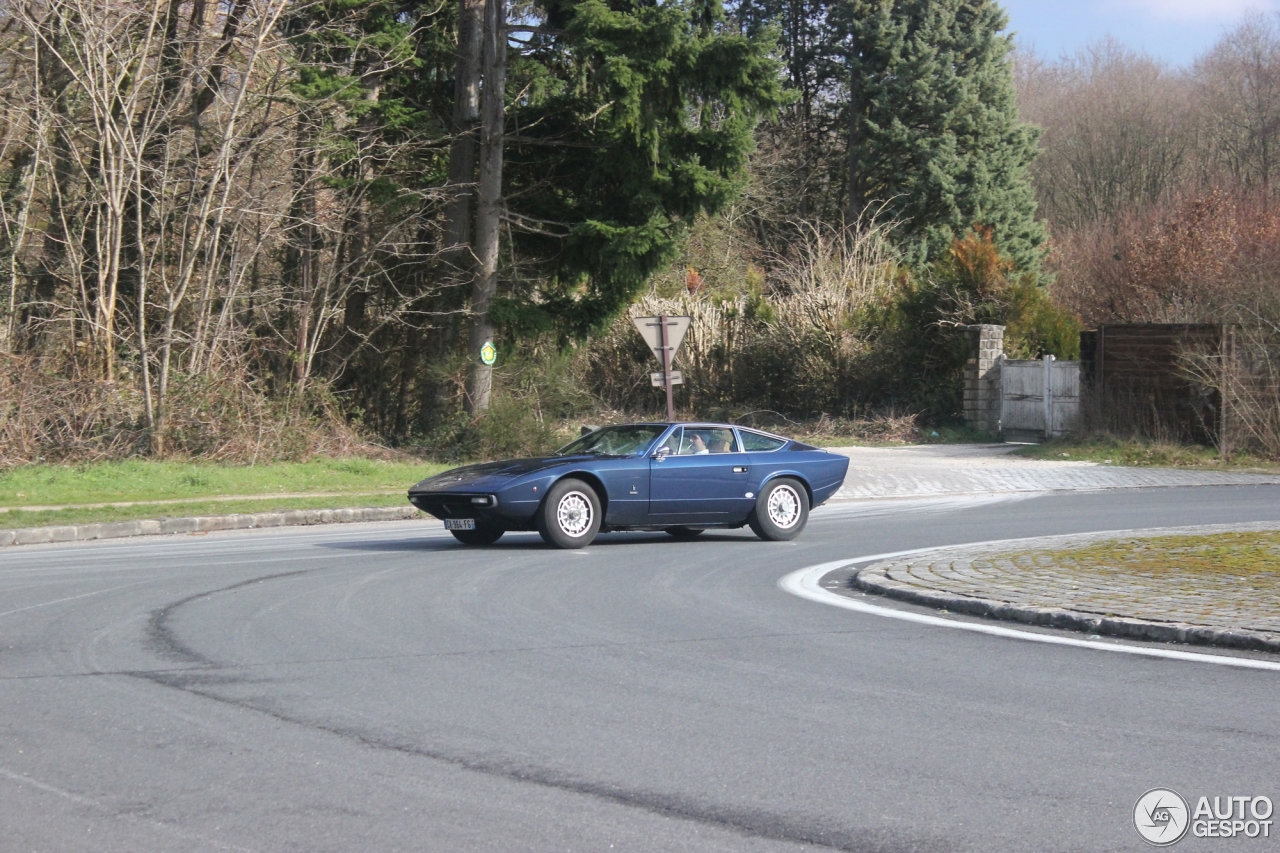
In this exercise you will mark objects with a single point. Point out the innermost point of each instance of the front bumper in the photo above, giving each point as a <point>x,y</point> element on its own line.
<point>482,506</point>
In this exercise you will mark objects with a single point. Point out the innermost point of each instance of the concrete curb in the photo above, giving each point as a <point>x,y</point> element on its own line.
<point>201,524</point>
<point>874,579</point>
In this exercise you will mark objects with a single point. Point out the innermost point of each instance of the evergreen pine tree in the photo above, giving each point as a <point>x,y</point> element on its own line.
<point>934,138</point>
<point>630,119</point>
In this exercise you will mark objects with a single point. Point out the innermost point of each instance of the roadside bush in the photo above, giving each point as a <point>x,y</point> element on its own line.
<point>788,337</point>
<point>920,349</point>
<point>1192,260</point>
<point>538,393</point>
<point>48,416</point>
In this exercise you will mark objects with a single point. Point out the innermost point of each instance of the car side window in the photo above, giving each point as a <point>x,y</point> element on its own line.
<point>755,442</point>
<point>695,442</point>
<point>672,444</point>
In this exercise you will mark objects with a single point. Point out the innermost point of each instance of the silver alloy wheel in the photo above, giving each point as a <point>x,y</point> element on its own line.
<point>784,506</point>
<point>573,514</point>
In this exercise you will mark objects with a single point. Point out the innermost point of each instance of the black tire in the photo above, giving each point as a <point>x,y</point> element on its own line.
<point>782,510</point>
<point>685,532</point>
<point>570,516</point>
<point>482,535</point>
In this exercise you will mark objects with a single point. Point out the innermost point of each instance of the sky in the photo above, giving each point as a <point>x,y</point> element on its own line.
<point>1176,31</point>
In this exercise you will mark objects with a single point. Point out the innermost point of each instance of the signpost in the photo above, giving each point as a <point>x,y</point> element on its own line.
<point>664,335</point>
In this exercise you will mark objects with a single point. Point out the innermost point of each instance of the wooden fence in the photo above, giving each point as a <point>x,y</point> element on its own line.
<point>1136,382</point>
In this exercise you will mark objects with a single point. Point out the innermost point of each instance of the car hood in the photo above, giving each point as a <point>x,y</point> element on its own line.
<point>471,475</point>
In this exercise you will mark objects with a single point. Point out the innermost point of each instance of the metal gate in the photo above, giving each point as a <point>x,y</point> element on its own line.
<point>1039,399</point>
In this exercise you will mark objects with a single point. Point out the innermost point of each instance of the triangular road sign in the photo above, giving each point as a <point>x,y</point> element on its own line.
<point>676,327</point>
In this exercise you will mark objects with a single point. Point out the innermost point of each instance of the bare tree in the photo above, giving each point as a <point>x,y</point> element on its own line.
<point>1117,132</point>
<point>1238,93</point>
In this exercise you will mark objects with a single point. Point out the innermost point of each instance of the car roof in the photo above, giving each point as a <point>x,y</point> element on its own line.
<point>705,425</point>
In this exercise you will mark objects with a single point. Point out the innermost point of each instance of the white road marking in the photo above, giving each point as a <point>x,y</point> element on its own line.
<point>73,598</point>
<point>804,583</point>
<point>96,805</point>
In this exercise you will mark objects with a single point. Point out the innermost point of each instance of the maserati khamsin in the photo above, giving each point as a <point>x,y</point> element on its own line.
<point>683,478</point>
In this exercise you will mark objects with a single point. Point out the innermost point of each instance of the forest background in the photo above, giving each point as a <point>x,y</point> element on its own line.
<point>252,230</point>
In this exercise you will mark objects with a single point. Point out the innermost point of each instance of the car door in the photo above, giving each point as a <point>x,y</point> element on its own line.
<point>698,475</point>
<point>626,482</point>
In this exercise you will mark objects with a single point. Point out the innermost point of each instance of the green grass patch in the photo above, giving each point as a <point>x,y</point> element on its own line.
<point>46,518</point>
<point>1116,451</point>
<point>1241,555</point>
<point>145,480</point>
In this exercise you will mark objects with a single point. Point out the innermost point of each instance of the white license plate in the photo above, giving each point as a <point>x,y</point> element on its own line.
<point>459,524</point>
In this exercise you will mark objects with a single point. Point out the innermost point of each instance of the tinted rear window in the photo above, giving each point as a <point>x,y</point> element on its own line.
<point>759,442</point>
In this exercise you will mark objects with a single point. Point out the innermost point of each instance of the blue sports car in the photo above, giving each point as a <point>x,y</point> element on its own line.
<point>681,478</point>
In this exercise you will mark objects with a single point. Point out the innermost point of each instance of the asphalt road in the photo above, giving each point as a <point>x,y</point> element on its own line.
<point>380,688</point>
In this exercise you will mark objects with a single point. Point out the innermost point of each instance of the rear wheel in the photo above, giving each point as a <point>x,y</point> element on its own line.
<point>685,532</point>
<point>482,535</point>
<point>782,510</point>
<point>570,516</point>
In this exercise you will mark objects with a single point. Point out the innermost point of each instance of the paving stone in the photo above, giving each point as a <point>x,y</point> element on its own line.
<point>1024,583</point>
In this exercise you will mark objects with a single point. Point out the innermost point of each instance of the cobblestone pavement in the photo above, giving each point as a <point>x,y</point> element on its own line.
<point>1023,582</point>
<point>960,469</point>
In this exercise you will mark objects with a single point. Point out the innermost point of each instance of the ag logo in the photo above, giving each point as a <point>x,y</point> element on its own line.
<point>1161,817</point>
<point>488,354</point>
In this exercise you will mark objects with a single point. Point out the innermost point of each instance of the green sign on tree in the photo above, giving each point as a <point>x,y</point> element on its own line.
<point>488,354</point>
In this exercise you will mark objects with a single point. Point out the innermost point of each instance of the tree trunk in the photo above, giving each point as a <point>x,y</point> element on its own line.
<point>856,196</point>
<point>490,202</point>
<point>462,152</point>
<point>23,189</point>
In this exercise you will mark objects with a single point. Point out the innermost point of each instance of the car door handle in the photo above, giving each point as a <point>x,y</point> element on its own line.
<point>739,469</point>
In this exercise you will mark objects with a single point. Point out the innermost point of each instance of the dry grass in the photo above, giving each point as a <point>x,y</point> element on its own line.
<point>47,416</point>
<point>789,336</point>
<point>1146,452</point>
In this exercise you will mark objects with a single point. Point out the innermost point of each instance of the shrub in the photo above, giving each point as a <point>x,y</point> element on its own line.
<point>48,416</point>
<point>537,390</point>
<point>788,339</point>
<point>920,353</point>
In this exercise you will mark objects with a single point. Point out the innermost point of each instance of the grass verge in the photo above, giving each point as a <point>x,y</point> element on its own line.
<point>1115,451</point>
<point>149,481</point>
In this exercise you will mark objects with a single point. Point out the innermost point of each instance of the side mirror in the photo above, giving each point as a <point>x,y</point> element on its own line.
<point>662,453</point>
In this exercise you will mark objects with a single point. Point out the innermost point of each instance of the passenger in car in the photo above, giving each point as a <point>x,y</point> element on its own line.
<point>722,442</point>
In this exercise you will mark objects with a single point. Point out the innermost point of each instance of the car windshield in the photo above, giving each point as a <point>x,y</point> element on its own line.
<point>614,441</point>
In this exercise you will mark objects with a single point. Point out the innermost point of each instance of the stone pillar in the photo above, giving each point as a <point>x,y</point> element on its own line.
<point>982,377</point>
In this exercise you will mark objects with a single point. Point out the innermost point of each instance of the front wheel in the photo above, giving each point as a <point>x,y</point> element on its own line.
<point>570,515</point>
<point>482,535</point>
<point>781,511</point>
